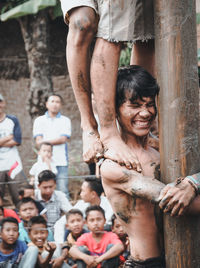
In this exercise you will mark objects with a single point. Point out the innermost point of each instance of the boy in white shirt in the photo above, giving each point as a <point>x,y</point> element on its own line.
<point>44,162</point>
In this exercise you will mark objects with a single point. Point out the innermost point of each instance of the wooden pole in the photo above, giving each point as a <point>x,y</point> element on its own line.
<point>176,64</point>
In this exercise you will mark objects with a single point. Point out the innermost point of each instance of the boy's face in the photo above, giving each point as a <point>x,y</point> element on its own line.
<point>9,232</point>
<point>29,193</point>
<point>85,192</point>
<point>47,188</point>
<point>38,234</point>
<point>75,223</point>
<point>137,117</point>
<point>45,151</point>
<point>95,222</point>
<point>118,229</point>
<point>54,104</point>
<point>27,211</point>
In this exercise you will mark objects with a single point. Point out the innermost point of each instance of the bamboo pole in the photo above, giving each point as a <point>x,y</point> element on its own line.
<point>176,64</point>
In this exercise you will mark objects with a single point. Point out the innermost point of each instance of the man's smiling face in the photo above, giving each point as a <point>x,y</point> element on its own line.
<point>135,118</point>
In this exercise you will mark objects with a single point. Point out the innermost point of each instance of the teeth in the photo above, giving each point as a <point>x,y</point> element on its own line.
<point>142,123</point>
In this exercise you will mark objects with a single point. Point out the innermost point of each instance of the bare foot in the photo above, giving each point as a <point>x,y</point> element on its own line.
<point>116,150</point>
<point>92,146</point>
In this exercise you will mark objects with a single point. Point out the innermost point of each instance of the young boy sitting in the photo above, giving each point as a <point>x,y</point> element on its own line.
<point>117,228</point>
<point>97,248</point>
<point>28,209</point>
<point>48,252</point>
<point>44,162</point>
<point>11,249</point>
<point>75,223</point>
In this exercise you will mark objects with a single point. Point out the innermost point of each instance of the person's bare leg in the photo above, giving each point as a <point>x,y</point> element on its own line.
<point>82,29</point>
<point>104,69</point>
<point>143,54</point>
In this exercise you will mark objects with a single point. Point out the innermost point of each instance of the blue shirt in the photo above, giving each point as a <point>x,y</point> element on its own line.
<point>15,256</point>
<point>23,234</point>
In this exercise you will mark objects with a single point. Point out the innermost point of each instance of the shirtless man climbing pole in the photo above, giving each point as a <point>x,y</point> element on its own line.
<point>136,111</point>
<point>131,21</point>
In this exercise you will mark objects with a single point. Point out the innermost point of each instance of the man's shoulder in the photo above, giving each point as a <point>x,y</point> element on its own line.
<point>110,169</point>
<point>13,118</point>
<point>64,118</point>
<point>40,118</point>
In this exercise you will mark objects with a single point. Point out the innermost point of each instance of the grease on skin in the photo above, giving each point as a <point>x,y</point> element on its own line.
<point>100,60</point>
<point>81,82</point>
<point>123,217</point>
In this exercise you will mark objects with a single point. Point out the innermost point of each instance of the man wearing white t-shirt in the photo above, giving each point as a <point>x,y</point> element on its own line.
<point>55,128</point>
<point>91,194</point>
<point>10,162</point>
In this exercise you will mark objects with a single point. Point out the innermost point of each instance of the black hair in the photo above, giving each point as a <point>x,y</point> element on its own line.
<point>37,220</point>
<point>94,208</point>
<point>134,82</point>
<point>46,175</point>
<point>8,219</point>
<point>56,95</point>
<point>46,143</point>
<point>28,186</point>
<point>95,185</point>
<point>72,212</point>
<point>2,208</point>
<point>26,200</point>
<point>113,218</point>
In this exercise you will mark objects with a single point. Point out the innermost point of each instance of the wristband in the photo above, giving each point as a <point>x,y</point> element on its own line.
<point>194,183</point>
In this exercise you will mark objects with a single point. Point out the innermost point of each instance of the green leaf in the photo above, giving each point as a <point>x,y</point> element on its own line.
<point>57,12</point>
<point>27,8</point>
<point>198,54</point>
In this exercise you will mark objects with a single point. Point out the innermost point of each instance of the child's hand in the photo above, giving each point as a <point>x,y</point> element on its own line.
<point>56,263</point>
<point>91,261</point>
<point>50,247</point>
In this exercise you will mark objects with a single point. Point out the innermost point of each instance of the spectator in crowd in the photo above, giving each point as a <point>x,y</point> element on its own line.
<point>97,246</point>
<point>117,228</point>
<point>28,191</point>
<point>28,209</point>
<point>49,254</point>
<point>10,163</point>
<point>54,128</point>
<point>75,229</point>
<point>54,201</point>
<point>11,249</point>
<point>44,162</point>
<point>7,212</point>
<point>91,194</point>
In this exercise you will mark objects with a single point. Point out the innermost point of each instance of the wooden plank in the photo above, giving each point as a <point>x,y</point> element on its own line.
<point>176,64</point>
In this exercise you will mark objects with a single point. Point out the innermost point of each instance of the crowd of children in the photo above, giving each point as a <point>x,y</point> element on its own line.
<point>45,230</point>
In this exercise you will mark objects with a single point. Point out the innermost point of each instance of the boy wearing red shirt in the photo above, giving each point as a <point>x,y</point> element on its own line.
<point>97,248</point>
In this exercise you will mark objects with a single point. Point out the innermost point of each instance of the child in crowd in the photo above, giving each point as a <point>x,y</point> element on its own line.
<point>91,194</point>
<point>28,191</point>
<point>6,211</point>
<point>28,209</point>
<point>117,228</point>
<point>11,249</point>
<point>54,201</point>
<point>75,223</point>
<point>48,252</point>
<point>44,162</point>
<point>97,248</point>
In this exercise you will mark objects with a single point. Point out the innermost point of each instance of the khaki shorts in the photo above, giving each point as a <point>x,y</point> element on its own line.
<point>119,20</point>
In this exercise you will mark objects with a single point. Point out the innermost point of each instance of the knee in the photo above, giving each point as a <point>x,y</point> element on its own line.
<point>82,29</point>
